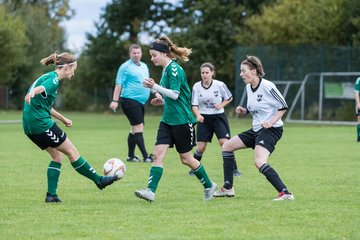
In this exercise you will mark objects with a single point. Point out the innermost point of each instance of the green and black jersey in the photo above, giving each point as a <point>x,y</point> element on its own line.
<point>36,115</point>
<point>357,85</point>
<point>176,112</point>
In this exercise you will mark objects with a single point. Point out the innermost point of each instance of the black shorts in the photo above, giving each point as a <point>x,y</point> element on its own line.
<point>183,136</point>
<point>215,123</point>
<point>53,137</point>
<point>357,112</point>
<point>265,137</point>
<point>133,110</point>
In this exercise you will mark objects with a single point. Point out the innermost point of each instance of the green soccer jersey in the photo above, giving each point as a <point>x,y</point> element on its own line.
<point>36,115</point>
<point>357,85</point>
<point>176,112</point>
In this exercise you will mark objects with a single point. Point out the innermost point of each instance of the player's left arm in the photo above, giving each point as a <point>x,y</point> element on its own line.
<point>35,91</point>
<point>357,99</point>
<point>279,103</point>
<point>226,95</point>
<point>67,122</point>
<point>150,83</point>
<point>223,103</point>
<point>278,115</point>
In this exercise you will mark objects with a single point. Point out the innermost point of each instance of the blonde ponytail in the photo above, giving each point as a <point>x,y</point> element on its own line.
<point>174,52</point>
<point>59,60</point>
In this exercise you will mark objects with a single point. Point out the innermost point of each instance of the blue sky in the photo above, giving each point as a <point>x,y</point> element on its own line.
<point>87,12</point>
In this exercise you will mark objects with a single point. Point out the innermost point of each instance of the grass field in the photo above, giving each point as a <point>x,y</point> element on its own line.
<point>319,164</point>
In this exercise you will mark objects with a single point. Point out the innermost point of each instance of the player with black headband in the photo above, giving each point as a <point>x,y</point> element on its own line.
<point>44,132</point>
<point>177,122</point>
<point>266,105</point>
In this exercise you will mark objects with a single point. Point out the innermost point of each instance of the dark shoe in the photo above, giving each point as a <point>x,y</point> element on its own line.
<point>149,159</point>
<point>133,159</point>
<point>236,173</point>
<point>52,198</point>
<point>106,181</point>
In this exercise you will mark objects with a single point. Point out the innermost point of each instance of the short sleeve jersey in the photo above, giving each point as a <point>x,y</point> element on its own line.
<point>131,76</point>
<point>176,112</point>
<point>263,102</point>
<point>36,115</point>
<point>206,98</point>
<point>357,85</point>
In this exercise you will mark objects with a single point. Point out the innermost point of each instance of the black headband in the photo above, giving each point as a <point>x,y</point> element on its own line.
<point>160,47</point>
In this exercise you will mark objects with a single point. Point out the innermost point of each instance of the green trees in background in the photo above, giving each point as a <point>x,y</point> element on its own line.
<point>32,31</point>
<point>208,27</point>
<point>212,28</point>
<point>291,22</point>
<point>121,24</point>
<point>13,52</point>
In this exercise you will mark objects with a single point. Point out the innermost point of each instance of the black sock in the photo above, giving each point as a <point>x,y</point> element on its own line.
<point>139,139</point>
<point>272,176</point>
<point>197,155</point>
<point>235,165</point>
<point>131,145</point>
<point>228,164</point>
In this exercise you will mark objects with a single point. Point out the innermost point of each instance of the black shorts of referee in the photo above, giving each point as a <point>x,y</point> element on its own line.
<point>133,110</point>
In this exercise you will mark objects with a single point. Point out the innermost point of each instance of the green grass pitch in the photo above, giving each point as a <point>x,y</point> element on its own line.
<point>319,164</point>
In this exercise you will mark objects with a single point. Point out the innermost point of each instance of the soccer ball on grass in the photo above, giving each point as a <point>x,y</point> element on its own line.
<point>114,166</point>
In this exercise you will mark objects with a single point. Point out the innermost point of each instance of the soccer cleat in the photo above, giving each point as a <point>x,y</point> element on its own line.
<point>52,198</point>
<point>283,196</point>
<point>149,158</point>
<point>208,192</point>
<point>133,159</point>
<point>191,173</point>
<point>106,181</point>
<point>145,194</point>
<point>223,192</point>
<point>236,173</point>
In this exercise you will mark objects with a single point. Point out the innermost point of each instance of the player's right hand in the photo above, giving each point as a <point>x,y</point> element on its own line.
<point>114,106</point>
<point>29,96</point>
<point>240,110</point>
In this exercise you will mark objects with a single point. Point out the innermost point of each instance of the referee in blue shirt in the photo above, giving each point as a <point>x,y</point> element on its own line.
<point>132,95</point>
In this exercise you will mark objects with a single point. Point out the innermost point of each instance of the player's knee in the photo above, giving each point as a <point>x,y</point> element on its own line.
<point>226,147</point>
<point>186,161</point>
<point>57,157</point>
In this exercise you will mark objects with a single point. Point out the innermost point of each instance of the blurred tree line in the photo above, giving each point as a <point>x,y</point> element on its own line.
<point>31,30</point>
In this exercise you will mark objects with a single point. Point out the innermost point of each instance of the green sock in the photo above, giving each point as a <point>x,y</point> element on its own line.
<point>200,173</point>
<point>154,178</point>
<point>85,169</point>
<point>358,132</point>
<point>53,174</point>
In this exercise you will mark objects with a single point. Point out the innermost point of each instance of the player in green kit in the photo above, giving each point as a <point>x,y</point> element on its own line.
<point>177,122</point>
<point>45,133</point>
<point>357,106</point>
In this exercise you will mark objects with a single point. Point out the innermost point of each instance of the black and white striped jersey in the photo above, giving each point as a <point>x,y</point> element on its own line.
<point>263,102</point>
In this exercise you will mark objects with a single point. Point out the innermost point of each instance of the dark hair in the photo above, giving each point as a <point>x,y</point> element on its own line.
<point>254,62</point>
<point>165,45</point>
<point>209,65</point>
<point>59,60</point>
